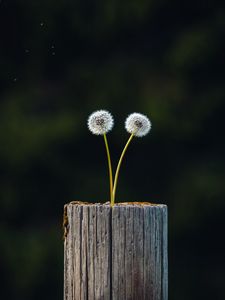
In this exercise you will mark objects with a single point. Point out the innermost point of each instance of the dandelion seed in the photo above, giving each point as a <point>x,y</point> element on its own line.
<point>137,124</point>
<point>100,122</point>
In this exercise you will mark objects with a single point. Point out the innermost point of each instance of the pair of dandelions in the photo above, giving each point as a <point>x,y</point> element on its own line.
<point>101,122</point>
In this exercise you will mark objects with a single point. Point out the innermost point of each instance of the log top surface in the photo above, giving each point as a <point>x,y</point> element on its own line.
<point>81,203</point>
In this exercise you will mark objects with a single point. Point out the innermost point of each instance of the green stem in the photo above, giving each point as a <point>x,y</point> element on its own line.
<point>110,167</point>
<point>118,169</point>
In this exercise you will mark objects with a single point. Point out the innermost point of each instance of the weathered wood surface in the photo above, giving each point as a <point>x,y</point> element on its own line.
<point>117,253</point>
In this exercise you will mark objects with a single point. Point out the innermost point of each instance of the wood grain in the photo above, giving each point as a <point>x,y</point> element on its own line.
<point>117,253</point>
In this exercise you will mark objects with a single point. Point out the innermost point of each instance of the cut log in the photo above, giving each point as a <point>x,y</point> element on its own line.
<point>117,253</point>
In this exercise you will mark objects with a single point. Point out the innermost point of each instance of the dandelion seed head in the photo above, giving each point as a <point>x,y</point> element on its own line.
<point>137,124</point>
<point>100,122</point>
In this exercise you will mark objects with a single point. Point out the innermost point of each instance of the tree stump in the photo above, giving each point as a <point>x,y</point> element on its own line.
<point>117,253</point>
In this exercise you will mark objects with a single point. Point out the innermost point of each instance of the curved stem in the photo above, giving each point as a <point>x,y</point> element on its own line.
<point>118,169</point>
<point>110,167</point>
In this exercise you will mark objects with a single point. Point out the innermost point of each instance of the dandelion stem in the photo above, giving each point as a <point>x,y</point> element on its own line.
<point>110,168</point>
<point>118,169</point>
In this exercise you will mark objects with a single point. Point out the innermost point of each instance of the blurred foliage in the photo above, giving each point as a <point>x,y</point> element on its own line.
<point>60,60</point>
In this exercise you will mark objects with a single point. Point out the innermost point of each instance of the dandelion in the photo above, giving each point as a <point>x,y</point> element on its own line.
<point>137,125</point>
<point>99,123</point>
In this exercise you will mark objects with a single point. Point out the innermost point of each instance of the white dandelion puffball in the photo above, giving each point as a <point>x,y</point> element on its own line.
<point>100,122</point>
<point>137,124</point>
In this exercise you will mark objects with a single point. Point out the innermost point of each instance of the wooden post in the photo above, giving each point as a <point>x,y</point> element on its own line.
<point>117,253</point>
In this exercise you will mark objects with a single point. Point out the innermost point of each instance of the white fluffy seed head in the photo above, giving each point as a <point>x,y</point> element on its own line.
<point>100,122</point>
<point>137,124</point>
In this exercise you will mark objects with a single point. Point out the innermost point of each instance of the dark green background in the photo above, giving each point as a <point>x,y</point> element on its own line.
<point>60,61</point>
